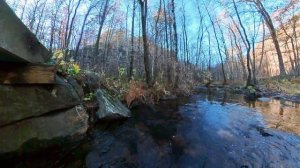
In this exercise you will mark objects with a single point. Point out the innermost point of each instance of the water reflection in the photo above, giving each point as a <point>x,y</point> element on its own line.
<point>278,114</point>
<point>203,131</point>
<point>281,115</point>
<point>208,130</point>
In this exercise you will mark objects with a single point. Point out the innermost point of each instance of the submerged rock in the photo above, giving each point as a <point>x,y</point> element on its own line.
<point>252,93</point>
<point>169,97</point>
<point>109,107</point>
<point>264,99</point>
<point>22,102</point>
<point>65,123</point>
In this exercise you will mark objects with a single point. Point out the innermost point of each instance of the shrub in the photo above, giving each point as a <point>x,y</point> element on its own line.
<point>89,97</point>
<point>136,92</point>
<point>66,68</point>
<point>251,89</point>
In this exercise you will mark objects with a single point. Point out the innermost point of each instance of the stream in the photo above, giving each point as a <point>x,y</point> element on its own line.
<point>205,130</point>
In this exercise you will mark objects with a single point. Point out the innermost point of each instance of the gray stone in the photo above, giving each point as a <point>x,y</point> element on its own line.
<point>65,123</point>
<point>17,42</point>
<point>169,97</point>
<point>90,81</point>
<point>264,99</point>
<point>21,102</point>
<point>76,86</point>
<point>109,107</point>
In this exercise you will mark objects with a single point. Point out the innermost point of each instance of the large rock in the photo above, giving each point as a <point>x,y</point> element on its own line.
<point>109,107</point>
<point>22,102</point>
<point>65,123</point>
<point>90,81</point>
<point>17,42</point>
<point>251,93</point>
<point>76,86</point>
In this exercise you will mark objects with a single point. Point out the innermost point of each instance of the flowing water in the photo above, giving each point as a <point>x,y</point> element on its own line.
<point>220,130</point>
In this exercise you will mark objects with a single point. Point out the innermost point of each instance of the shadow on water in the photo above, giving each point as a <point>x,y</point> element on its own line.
<point>207,130</point>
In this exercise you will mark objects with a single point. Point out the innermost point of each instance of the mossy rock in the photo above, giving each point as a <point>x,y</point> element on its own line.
<point>252,93</point>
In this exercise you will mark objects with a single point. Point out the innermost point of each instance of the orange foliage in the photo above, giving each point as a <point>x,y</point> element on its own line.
<point>136,92</point>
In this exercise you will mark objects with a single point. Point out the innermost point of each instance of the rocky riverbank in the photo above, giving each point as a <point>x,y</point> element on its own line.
<point>253,92</point>
<point>46,112</point>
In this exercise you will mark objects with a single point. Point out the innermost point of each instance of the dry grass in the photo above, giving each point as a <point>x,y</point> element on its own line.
<point>135,90</point>
<point>290,86</point>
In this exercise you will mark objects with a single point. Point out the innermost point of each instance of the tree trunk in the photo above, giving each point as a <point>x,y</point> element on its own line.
<point>82,30</point>
<point>247,44</point>
<point>144,8</point>
<point>156,41</point>
<point>101,22</point>
<point>261,9</point>
<point>69,35</point>
<point>132,42</point>
<point>177,73</point>
<point>219,50</point>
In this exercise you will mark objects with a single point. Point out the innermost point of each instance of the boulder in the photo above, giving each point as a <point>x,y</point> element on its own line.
<point>109,107</point>
<point>90,81</point>
<point>65,123</point>
<point>76,87</point>
<point>251,93</point>
<point>20,102</point>
<point>17,42</point>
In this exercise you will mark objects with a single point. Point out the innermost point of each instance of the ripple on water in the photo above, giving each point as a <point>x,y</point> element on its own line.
<point>200,131</point>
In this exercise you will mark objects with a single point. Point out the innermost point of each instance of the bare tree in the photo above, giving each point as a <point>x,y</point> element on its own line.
<point>90,8</point>
<point>132,41</point>
<point>247,45</point>
<point>70,28</point>
<point>175,45</point>
<point>218,46</point>
<point>102,17</point>
<point>156,29</point>
<point>144,12</point>
<point>262,48</point>
<point>261,9</point>
<point>54,16</point>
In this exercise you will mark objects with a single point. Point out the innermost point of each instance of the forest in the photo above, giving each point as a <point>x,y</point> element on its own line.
<point>149,83</point>
<point>174,42</point>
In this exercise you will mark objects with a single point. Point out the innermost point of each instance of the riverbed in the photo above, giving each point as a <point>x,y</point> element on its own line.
<point>205,130</point>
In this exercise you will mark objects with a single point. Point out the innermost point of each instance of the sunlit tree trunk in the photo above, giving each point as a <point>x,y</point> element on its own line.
<point>261,9</point>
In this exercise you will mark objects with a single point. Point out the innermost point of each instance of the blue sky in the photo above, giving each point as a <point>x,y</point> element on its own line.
<point>192,16</point>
